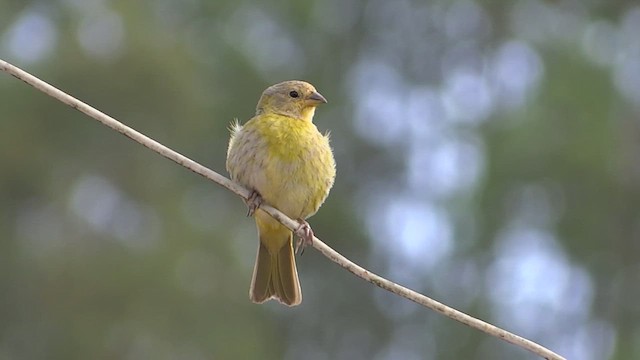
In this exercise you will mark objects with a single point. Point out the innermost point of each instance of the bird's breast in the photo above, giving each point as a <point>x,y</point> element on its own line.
<point>288,162</point>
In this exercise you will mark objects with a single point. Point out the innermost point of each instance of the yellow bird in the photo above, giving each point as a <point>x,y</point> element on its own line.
<point>282,157</point>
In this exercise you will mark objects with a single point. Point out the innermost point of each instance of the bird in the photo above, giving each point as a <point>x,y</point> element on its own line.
<point>285,161</point>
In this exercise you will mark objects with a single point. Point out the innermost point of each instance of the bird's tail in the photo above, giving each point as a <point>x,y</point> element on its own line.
<point>275,275</point>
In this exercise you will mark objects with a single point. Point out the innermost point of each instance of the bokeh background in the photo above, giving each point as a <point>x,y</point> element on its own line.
<point>488,156</point>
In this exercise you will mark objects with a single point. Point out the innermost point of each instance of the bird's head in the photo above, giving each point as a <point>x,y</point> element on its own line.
<point>297,99</point>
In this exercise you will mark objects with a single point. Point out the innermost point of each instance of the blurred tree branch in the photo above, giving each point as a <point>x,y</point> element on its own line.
<point>276,214</point>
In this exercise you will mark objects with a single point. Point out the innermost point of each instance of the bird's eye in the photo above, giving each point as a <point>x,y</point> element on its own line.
<point>293,94</point>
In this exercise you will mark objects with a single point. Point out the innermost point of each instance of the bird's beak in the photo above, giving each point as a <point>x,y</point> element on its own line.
<point>315,98</point>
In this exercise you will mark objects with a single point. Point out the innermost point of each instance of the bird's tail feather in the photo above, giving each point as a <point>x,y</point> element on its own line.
<point>275,275</point>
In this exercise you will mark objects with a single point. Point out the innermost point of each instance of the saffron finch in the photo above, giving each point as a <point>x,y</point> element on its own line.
<point>282,157</point>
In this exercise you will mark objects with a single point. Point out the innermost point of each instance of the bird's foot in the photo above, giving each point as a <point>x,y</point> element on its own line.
<point>253,202</point>
<point>305,236</point>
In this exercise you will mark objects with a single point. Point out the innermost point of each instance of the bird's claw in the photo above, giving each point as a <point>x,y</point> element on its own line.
<point>305,236</point>
<point>253,202</point>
